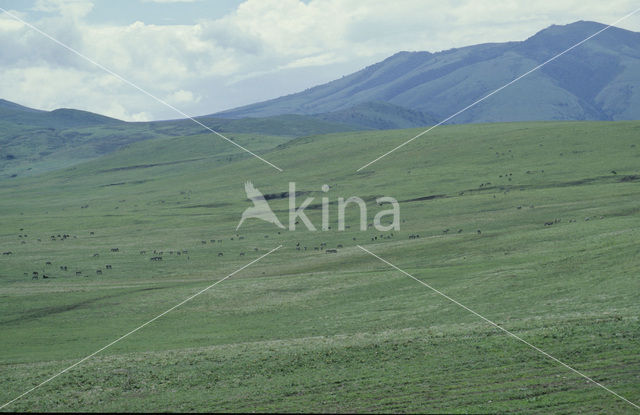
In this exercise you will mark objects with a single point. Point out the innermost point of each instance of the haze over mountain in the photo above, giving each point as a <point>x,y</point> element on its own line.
<point>599,80</point>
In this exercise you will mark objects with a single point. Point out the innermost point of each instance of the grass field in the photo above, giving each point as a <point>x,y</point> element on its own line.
<point>310,331</point>
<point>36,142</point>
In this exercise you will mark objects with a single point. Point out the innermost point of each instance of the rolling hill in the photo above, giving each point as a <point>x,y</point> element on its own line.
<point>34,141</point>
<point>596,81</point>
<point>303,330</point>
<point>378,116</point>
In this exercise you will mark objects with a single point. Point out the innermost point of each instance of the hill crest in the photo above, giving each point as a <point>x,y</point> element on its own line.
<point>594,81</point>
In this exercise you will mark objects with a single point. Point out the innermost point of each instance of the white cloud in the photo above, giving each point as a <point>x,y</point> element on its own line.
<point>66,8</point>
<point>262,49</point>
<point>182,97</point>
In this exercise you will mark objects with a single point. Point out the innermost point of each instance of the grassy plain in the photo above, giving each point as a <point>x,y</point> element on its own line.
<point>310,331</point>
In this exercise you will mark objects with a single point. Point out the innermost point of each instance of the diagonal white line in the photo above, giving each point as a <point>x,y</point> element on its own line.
<point>161,101</point>
<point>499,327</point>
<point>138,328</point>
<point>500,89</point>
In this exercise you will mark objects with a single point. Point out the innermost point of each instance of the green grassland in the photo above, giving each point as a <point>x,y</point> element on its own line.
<point>304,330</point>
<point>33,142</point>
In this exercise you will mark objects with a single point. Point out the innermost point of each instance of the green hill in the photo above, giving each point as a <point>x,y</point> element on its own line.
<point>304,330</point>
<point>379,116</point>
<point>33,141</point>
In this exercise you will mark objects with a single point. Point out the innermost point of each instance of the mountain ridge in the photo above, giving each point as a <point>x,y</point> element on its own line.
<point>594,81</point>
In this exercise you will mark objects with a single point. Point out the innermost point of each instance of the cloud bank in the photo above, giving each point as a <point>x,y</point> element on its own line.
<point>263,49</point>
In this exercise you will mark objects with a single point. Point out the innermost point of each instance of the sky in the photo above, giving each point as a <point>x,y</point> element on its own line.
<point>205,56</point>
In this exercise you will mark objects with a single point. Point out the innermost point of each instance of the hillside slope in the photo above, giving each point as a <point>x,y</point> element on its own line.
<point>34,141</point>
<point>555,262</point>
<point>597,81</point>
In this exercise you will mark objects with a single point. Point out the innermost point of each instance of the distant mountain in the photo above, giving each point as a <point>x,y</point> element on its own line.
<point>60,118</point>
<point>599,80</point>
<point>8,105</point>
<point>378,116</point>
<point>34,141</point>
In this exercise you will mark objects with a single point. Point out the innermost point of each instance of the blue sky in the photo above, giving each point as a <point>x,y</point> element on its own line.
<point>124,12</point>
<point>128,11</point>
<point>207,56</point>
